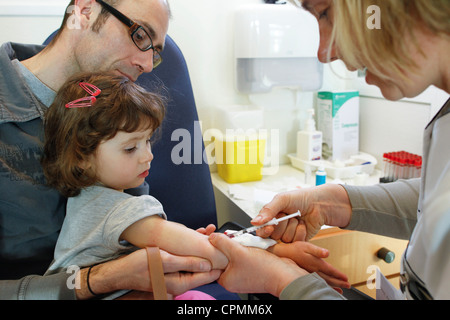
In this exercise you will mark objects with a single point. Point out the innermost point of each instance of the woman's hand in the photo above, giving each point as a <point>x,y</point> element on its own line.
<point>252,270</point>
<point>324,205</point>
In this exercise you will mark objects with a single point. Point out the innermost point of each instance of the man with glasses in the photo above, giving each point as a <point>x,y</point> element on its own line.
<point>123,36</point>
<point>139,35</point>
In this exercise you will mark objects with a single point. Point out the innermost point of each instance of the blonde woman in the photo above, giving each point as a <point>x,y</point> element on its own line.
<point>407,53</point>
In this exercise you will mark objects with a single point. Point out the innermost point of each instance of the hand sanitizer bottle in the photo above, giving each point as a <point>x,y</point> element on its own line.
<point>309,141</point>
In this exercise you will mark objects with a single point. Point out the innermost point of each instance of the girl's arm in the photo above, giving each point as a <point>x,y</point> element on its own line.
<point>174,238</point>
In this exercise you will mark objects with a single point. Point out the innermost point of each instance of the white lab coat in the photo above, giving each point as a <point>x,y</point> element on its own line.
<point>427,258</point>
<point>418,209</point>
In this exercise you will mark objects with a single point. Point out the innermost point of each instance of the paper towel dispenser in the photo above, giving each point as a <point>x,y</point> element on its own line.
<point>276,46</point>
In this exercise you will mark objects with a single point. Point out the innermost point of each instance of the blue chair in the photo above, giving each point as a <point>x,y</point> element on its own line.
<point>185,190</point>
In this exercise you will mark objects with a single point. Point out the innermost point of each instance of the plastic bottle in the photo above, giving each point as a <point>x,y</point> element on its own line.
<point>309,141</point>
<point>321,176</point>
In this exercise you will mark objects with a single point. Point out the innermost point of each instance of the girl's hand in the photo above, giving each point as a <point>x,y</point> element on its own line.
<point>208,230</point>
<point>310,257</point>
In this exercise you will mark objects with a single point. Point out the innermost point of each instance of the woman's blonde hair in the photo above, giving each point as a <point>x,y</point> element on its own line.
<point>386,49</point>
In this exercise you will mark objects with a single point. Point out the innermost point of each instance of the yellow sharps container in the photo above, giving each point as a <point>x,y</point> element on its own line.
<point>240,158</point>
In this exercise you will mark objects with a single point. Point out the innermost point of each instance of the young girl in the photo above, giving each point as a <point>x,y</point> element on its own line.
<point>97,144</point>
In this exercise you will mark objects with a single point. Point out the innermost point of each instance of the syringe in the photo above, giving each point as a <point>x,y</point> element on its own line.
<point>270,223</point>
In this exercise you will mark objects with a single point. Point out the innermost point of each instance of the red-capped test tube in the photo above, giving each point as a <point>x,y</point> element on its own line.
<point>401,165</point>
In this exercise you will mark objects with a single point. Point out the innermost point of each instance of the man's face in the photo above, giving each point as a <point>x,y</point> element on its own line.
<point>112,49</point>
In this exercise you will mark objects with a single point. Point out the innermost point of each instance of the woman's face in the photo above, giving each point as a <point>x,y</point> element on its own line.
<point>323,11</point>
<point>393,89</point>
<point>416,80</point>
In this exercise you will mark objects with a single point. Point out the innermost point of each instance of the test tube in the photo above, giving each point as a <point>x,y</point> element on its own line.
<point>409,167</point>
<point>418,167</point>
<point>386,166</point>
<point>396,167</point>
<point>401,165</point>
<point>391,167</point>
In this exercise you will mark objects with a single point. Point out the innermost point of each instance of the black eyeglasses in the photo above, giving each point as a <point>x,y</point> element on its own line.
<point>140,37</point>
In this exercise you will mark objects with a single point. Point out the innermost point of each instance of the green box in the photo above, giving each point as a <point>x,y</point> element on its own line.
<point>338,119</point>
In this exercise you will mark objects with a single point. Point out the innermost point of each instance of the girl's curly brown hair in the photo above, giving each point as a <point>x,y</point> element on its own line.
<point>73,135</point>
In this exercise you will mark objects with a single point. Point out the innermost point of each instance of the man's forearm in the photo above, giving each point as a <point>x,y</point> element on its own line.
<point>99,280</point>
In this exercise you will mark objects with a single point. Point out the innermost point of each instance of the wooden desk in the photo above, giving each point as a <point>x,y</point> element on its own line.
<point>355,254</point>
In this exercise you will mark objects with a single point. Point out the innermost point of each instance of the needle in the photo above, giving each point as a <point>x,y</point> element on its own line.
<point>270,223</point>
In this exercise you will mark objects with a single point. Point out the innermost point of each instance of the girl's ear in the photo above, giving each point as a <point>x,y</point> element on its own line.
<point>85,164</point>
<point>87,168</point>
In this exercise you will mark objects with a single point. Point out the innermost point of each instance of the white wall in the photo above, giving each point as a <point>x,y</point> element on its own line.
<point>204,31</point>
<point>393,126</point>
<point>30,21</point>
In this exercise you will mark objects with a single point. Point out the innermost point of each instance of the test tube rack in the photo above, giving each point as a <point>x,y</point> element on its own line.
<point>401,165</point>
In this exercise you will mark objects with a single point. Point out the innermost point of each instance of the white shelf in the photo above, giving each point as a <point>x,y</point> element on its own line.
<point>249,197</point>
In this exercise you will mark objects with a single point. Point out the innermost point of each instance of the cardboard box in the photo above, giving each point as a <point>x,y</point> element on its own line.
<point>338,119</point>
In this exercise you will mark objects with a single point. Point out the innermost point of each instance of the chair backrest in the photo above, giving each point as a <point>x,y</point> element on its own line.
<point>185,189</point>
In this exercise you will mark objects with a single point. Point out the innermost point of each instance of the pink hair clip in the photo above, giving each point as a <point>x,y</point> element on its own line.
<point>86,101</point>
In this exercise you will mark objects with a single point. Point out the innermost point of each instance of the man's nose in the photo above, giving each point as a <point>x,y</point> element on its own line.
<point>144,61</point>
